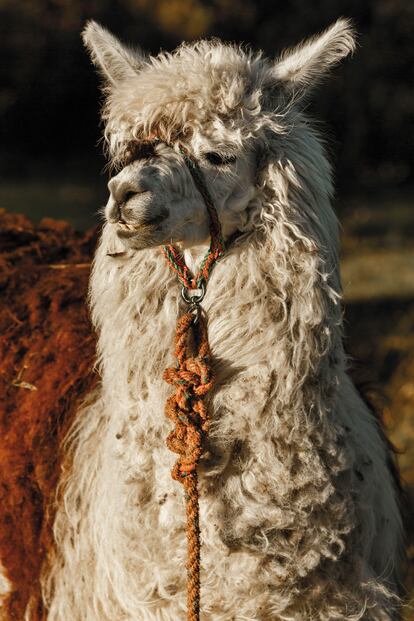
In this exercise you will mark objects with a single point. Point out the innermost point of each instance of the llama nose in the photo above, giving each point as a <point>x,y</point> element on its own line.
<point>118,208</point>
<point>122,192</point>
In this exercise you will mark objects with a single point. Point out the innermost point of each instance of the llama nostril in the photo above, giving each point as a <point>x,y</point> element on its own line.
<point>129,195</point>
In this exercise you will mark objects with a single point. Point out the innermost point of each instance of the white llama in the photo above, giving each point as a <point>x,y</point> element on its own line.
<point>299,510</point>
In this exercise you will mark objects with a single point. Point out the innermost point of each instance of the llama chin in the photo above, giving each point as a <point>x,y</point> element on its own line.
<point>299,509</point>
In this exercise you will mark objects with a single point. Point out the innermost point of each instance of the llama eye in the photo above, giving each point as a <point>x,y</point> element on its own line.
<point>217,159</point>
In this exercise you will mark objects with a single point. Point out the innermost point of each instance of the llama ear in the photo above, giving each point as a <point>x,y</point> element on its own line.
<point>116,61</point>
<point>300,68</point>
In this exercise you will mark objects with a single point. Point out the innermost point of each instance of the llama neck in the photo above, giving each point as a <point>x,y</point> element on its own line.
<point>268,304</point>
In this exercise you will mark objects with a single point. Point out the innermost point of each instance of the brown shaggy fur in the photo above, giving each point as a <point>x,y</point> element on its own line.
<point>47,350</point>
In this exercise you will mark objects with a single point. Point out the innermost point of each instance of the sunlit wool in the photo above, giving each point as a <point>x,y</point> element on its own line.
<point>299,516</point>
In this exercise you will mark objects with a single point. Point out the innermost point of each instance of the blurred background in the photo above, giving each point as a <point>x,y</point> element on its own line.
<point>51,163</point>
<point>49,159</point>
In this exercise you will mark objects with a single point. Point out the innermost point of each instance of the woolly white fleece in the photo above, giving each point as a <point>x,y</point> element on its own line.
<point>299,517</point>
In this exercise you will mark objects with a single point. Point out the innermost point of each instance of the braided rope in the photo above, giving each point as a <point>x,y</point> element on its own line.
<point>192,379</point>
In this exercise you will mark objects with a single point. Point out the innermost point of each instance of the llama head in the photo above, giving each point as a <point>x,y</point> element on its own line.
<point>236,112</point>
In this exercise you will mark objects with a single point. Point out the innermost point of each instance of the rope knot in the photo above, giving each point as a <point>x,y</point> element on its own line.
<point>192,379</point>
<point>194,375</point>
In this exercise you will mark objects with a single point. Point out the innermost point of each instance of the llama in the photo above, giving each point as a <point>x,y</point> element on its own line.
<point>298,505</point>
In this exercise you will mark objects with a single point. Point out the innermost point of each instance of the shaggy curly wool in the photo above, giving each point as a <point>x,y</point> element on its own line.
<point>299,515</point>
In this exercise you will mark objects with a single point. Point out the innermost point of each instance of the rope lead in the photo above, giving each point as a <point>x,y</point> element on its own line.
<point>192,379</point>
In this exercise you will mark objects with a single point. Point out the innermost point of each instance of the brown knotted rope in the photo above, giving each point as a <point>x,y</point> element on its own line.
<point>192,379</point>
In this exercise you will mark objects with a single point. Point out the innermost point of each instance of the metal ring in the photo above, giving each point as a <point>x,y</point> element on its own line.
<point>193,299</point>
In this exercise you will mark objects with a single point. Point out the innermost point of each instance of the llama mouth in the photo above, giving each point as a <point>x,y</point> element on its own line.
<point>127,225</point>
<point>126,228</point>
